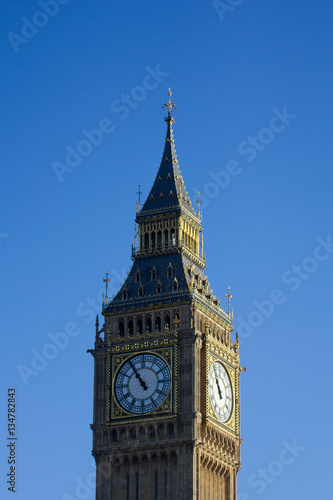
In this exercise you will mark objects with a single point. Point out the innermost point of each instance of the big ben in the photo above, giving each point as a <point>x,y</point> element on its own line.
<point>166,421</point>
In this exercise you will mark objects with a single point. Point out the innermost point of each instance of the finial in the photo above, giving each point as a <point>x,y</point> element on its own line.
<point>97,328</point>
<point>169,105</point>
<point>139,193</point>
<point>199,203</point>
<point>229,297</point>
<point>236,344</point>
<point>106,280</point>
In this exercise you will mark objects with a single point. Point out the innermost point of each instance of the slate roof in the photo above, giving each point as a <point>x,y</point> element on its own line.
<point>174,198</point>
<point>168,191</point>
<point>145,266</point>
<point>183,269</point>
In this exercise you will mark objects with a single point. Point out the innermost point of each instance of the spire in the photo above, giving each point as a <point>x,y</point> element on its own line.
<point>168,191</point>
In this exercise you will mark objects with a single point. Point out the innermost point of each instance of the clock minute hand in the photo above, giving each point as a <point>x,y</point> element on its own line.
<point>142,382</point>
<point>218,388</point>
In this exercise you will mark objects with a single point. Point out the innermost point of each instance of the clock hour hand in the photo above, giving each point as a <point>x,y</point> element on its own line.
<point>218,388</point>
<point>142,382</point>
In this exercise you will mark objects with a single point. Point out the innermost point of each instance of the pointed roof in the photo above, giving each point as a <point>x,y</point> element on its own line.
<point>161,277</point>
<point>168,191</point>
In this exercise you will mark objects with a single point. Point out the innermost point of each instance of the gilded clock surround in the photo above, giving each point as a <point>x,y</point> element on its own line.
<point>215,351</point>
<point>117,358</point>
<point>167,307</point>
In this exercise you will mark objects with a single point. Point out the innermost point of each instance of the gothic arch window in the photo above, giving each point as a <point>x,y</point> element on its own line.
<point>167,321</point>
<point>153,274</point>
<point>138,276</point>
<point>142,432</point>
<point>130,327</point>
<point>171,430</point>
<point>151,431</point>
<point>166,237</point>
<point>125,294</point>
<point>148,324</point>
<point>173,237</point>
<point>133,433</point>
<point>139,326</point>
<point>153,239</point>
<point>159,287</point>
<point>170,271</point>
<point>141,291</point>
<point>158,323</point>
<point>175,285</point>
<point>159,240</point>
<point>146,242</point>
<point>121,328</point>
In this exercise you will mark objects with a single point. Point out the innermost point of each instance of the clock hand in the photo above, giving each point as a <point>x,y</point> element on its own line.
<point>218,388</point>
<point>142,382</point>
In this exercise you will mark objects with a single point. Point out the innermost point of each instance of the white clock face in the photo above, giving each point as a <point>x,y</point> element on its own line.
<point>220,391</point>
<point>142,383</point>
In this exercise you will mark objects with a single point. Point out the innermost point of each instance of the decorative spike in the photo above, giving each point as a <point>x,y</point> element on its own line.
<point>169,105</point>
<point>229,297</point>
<point>139,193</point>
<point>97,328</point>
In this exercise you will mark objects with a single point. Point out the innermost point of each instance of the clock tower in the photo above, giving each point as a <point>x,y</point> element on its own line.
<point>166,421</point>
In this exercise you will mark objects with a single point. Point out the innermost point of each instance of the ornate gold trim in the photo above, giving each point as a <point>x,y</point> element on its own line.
<point>167,350</point>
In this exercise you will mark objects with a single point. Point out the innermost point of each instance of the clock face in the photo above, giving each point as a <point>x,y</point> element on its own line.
<point>220,391</point>
<point>142,383</point>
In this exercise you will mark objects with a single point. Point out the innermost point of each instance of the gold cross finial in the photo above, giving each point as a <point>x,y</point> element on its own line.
<point>229,297</point>
<point>198,202</point>
<point>106,280</point>
<point>139,193</point>
<point>169,105</point>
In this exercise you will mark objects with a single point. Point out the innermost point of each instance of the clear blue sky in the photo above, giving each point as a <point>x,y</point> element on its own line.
<point>253,133</point>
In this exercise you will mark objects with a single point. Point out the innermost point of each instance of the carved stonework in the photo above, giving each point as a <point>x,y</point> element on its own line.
<point>166,419</point>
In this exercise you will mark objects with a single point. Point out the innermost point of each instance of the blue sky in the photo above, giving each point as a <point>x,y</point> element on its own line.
<point>252,82</point>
